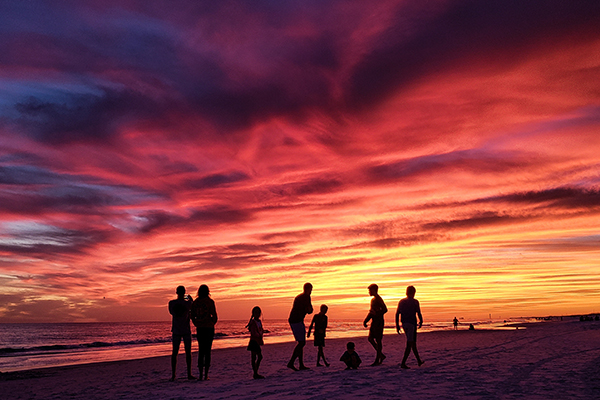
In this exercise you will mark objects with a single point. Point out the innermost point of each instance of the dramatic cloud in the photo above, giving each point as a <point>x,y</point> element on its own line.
<point>257,145</point>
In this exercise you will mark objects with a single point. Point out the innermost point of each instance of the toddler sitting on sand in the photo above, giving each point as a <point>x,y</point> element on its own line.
<point>351,357</point>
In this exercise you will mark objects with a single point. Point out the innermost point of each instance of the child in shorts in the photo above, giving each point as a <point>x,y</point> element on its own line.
<point>319,321</point>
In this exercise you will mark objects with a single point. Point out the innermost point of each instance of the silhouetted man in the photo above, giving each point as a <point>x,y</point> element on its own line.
<point>180,310</point>
<point>409,308</point>
<point>302,306</point>
<point>375,315</point>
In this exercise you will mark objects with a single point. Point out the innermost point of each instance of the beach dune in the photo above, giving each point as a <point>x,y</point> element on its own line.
<point>546,360</point>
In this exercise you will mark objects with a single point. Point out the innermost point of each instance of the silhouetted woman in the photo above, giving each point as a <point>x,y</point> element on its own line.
<point>204,317</point>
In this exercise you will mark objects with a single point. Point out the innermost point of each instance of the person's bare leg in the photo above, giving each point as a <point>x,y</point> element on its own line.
<point>380,350</point>
<point>301,356</point>
<point>188,360</point>
<point>416,352</point>
<point>294,356</point>
<point>256,359</point>
<point>174,354</point>
<point>323,355</point>
<point>374,344</point>
<point>406,354</point>
<point>320,355</point>
<point>173,366</point>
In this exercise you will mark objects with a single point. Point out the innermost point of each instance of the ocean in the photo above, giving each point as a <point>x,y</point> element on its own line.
<point>29,346</point>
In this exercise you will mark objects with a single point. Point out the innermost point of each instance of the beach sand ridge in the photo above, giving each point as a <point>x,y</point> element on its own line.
<point>547,360</point>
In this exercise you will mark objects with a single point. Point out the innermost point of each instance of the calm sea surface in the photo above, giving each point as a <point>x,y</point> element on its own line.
<point>28,346</point>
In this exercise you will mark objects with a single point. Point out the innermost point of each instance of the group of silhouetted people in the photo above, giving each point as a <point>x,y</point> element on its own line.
<point>203,314</point>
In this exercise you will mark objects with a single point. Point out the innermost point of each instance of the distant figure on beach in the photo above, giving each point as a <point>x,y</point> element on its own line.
<point>351,357</point>
<point>302,306</point>
<point>319,321</point>
<point>204,317</point>
<point>471,327</point>
<point>180,327</point>
<point>375,315</point>
<point>256,340</point>
<point>409,308</point>
<point>455,322</point>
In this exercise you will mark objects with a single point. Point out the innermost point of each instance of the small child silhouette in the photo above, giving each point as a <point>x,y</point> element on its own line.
<point>319,322</point>
<point>256,340</point>
<point>351,357</point>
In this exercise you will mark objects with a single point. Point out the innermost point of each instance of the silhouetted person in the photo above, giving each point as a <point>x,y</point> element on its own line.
<point>375,315</point>
<point>256,340</point>
<point>204,316</point>
<point>351,357</point>
<point>319,321</point>
<point>409,309</point>
<point>471,327</point>
<point>455,322</point>
<point>180,327</point>
<point>302,306</point>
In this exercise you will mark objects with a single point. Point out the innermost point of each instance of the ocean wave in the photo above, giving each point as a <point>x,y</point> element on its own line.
<point>7,351</point>
<point>14,351</point>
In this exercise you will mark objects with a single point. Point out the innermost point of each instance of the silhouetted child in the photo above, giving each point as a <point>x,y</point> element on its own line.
<point>351,357</point>
<point>319,321</point>
<point>256,340</point>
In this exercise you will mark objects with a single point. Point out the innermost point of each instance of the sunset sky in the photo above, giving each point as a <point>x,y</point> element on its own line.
<point>258,145</point>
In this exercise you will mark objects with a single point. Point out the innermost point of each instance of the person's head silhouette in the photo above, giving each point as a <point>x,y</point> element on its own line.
<point>373,289</point>
<point>203,291</point>
<point>308,288</point>
<point>411,291</point>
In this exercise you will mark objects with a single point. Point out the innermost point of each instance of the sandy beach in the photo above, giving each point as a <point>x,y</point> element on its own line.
<point>559,360</point>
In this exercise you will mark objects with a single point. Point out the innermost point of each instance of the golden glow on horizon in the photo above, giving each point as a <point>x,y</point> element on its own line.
<point>256,157</point>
